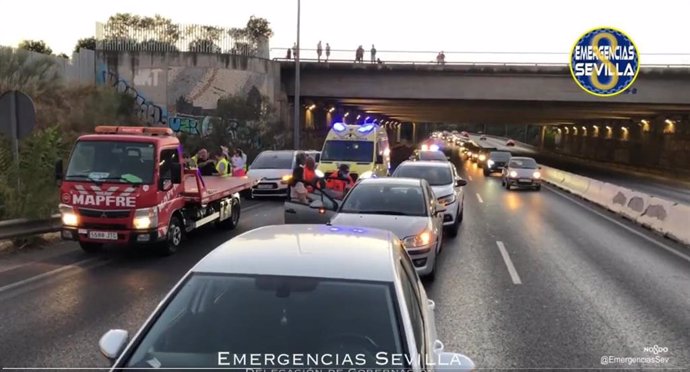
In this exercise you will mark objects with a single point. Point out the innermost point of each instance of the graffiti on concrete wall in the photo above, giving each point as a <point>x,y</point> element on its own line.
<point>148,110</point>
<point>190,124</point>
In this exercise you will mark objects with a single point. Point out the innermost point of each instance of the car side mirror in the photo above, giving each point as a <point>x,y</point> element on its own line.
<point>59,173</point>
<point>379,159</point>
<point>176,173</point>
<point>460,182</point>
<point>112,343</point>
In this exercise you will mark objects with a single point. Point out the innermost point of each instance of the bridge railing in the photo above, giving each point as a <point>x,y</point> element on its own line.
<point>471,58</point>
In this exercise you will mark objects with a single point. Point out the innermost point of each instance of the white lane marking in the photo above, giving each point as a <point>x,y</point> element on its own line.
<point>469,177</point>
<point>479,197</point>
<point>644,236</point>
<point>32,279</point>
<point>506,258</point>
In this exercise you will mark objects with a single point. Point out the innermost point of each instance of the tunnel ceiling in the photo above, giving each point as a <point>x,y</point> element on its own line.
<point>500,112</point>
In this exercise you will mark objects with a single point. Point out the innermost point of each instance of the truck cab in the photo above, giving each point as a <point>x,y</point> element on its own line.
<point>128,186</point>
<point>364,148</point>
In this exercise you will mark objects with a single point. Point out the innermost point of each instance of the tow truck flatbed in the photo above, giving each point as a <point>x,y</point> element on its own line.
<point>213,188</point>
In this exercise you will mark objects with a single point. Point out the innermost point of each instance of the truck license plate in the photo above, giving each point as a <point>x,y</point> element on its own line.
<point>102,235</point>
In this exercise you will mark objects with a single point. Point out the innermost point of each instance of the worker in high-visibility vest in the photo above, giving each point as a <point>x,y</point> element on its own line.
<point>341,181</point>
<point>222,164</point>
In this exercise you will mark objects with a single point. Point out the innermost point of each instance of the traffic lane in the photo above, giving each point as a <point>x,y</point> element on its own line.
<point>588,288</point>
<point>30,263</point>
<point>59,323</point>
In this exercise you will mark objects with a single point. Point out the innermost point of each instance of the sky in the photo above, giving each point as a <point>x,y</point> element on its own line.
<point>550,26</point>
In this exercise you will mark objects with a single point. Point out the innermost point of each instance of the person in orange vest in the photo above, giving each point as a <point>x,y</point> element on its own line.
<point>340,181</point>
<point>310,174</point>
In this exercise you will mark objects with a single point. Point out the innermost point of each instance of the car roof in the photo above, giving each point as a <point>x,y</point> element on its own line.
<point>425,163</point>
<point>401,181</point>
<point>323,251</point>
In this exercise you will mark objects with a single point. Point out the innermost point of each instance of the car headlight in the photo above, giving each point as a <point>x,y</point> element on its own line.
<point>145,218</point>
<point>482,157</point>
<point>425,147</point>
<point>513,174</point>
<point>416,241</point>
<point>367,174</point>
<point>448,199</point>
<point>286,178</point>
<point>69,216</point>
<point>536,174</point>
<point>491,163</point>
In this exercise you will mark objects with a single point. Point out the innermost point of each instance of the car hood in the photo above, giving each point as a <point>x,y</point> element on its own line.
<point>269,173</point>
<point>523,173</point>
<point>443,190</point>
<point>401,226</point>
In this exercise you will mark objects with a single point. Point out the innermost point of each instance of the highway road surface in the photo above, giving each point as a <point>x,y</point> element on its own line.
<point>668,189</point>
<point>533,280</point>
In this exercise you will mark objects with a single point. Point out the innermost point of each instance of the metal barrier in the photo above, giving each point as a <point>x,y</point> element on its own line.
<point>22,227</point>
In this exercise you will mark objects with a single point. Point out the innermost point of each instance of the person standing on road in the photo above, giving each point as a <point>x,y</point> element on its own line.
<point>373,54</point>
<point>237,163</point>
<point>328,51</point>
<point>319,50</point>
<point>298,190</point>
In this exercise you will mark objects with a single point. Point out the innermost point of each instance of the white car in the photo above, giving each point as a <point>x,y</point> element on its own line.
<point>522,172</point>
<point>447,186</point>
<point>405,206</point>
<point>274,170</point>
<point>297,292</point>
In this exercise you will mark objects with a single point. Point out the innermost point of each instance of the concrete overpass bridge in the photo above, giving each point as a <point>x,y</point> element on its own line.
<point>488,93</point>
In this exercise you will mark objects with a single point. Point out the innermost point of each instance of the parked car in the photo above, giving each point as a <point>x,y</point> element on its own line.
<point>292,290</point>
<point>274,169</point>
<point>522,172</point>
<point>447,186</point>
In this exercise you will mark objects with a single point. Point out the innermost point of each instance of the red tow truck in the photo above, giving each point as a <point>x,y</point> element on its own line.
<point>129,186</point>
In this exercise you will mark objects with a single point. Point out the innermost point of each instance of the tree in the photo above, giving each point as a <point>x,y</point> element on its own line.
<point>155,33</point>
<point>38,46</point>
<point>63,55</point>
<point>256,29</point>
<point>205,38</point>
<point>85,43</point>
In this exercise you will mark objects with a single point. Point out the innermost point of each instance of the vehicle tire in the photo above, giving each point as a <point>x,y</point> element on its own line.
<point>90,247</point>
<point>537,188</point>
<point>173,239</point>
<point>486,173</point>
<point>429,278</point>
<point>461,215</point>
<point>507,186</point>
<point>234,219</point>
<point>247,194</point>
<point>453,229</point>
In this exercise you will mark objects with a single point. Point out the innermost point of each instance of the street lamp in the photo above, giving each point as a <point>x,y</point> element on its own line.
<point>296,127</point>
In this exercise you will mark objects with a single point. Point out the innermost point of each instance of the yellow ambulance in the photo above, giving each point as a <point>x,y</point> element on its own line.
<point>363,147</point>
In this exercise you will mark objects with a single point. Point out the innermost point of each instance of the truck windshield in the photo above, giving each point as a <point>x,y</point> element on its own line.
<point>111,161</point>
<point>355,151</point>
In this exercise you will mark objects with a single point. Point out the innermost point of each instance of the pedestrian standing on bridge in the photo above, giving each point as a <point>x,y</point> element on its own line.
<point>295,52</point>
<point>373,54</point>
<point>289,54</point>
<point>319,50</point>
<point>328,51</point>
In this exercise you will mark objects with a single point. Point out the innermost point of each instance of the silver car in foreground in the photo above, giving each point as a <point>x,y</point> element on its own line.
<point>299,292</point>
<point>522,172</point>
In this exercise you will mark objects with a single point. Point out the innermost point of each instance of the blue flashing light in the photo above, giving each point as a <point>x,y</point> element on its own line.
<point>366,128</point>
<point>339,127</point>
<point>433,147</point>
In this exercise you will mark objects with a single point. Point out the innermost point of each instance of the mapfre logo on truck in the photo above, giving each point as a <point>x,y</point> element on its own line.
<point>113,196</point>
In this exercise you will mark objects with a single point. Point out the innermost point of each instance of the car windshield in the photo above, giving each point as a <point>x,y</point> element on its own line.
<point>432,155</point>
<point>355,151</point>
<point>436,176</point>
<point>524,163</point>
<point>270,316</point>
<point>388,199</point>
<point>111,161</point>
<point>500,156</point>
<point>273,160</point>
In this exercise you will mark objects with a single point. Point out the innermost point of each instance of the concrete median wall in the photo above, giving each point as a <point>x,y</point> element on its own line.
<point>668,218</point>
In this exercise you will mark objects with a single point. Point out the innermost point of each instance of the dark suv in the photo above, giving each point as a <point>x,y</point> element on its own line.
<point>495,162</point>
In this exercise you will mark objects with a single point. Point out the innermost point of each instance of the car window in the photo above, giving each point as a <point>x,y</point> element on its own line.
<point>355,151</point>
<point>273,160</point>
<point>168,157</point>
<point>385,198</point>
<point>267,315</point>
<point>432,155</point>
<point>500,156</point>
<point>435,176</point>
<point>523,163</point>
<point>328,202</point>
<point>412,301</point>
<point>116,161</point>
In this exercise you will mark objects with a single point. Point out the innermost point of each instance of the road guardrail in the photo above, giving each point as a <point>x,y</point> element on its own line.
<point>667,218</point>
<point>18,228</point>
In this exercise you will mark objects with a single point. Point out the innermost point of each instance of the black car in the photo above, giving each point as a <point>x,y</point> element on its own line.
<point>484,155</point>
<point>496,161</point>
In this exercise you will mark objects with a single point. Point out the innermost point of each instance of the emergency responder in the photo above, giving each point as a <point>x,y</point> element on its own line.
<point>340,181</point>
<point>309,174</point>
<point>222,164</point>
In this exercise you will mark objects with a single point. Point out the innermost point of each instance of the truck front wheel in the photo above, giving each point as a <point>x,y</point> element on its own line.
<point>90,247</point>
<point>234,219</point>
<point>173,238</point>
